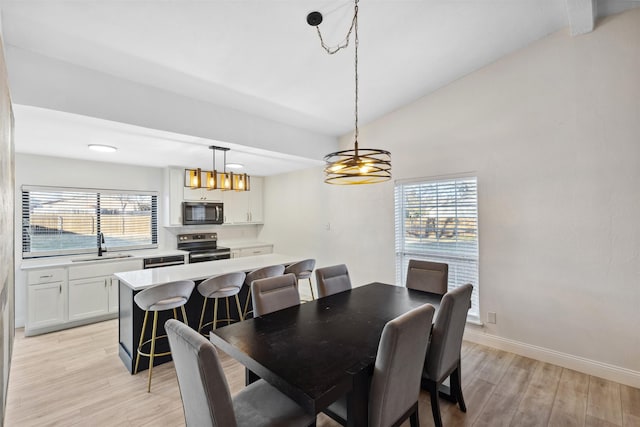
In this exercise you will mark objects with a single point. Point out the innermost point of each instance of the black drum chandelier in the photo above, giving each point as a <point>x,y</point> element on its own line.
<point>359,165</point>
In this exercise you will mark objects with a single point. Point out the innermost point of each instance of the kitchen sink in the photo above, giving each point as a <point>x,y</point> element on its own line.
<point>102,258</point>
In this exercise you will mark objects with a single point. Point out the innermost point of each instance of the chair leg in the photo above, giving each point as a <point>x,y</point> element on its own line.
<point>435,403</point>
<point>456,388</point>
<point>184,315</point>
<point>144,328</point>
<point>246,305</point>
<point>311,287</point>
<point>239,308</point>
<point>153,348</point>
<point>226,300</point>
<point>204,306</point>
<point>414,418</point>
<point>215,313</point>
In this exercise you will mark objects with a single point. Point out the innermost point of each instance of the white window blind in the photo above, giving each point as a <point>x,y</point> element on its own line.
<point>62,221</point>
<point>437,220</point>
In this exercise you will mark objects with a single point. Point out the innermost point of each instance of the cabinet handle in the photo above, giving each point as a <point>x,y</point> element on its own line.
<point>105,283</point>
<point>60,287</point>
<point>48,276</point>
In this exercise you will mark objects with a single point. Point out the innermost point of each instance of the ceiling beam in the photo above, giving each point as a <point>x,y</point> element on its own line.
<point>582,16</point>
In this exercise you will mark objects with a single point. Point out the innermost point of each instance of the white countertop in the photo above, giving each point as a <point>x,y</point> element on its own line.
<point>65,261</point>
<point>141,279</point>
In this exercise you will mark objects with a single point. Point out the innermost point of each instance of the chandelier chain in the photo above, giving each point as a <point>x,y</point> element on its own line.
<point>345,43</point>
<point>356,42</point>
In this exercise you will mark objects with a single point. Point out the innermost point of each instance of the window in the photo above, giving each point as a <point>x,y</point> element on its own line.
<point>437,220</point>
<point>58,221</point>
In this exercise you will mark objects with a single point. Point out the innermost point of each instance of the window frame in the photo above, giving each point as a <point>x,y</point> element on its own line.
<point>25,217</point>
<point>402,255</point>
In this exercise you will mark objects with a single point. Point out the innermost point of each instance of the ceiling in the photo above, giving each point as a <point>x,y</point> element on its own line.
<point>260,57</point>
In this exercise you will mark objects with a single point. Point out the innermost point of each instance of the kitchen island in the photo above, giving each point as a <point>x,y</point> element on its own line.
<point>131,282</point>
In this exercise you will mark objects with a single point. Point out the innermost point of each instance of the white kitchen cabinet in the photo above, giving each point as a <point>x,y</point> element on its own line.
<point>173,196</point>
<point>88,297</point>
<point>245,207</point>
<point>202,195</point>
<point>45,305</point>
<point>46,297</point>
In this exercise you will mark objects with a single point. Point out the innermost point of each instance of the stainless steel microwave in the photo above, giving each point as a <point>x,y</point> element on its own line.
<point>194,213</point>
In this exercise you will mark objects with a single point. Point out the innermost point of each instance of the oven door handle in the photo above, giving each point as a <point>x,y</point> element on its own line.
<point>213,254</point>
<point>163,264</point>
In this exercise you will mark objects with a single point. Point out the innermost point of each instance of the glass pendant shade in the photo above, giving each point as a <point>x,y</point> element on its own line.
<point>194,178</point>
<point>211,181</point>
<point>241,182</point>
<point>227,181</point>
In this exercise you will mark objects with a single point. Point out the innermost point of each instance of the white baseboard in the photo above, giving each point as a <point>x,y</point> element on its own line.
<point>577,363</point>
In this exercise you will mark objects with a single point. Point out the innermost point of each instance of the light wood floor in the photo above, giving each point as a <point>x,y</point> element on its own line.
<point>75,378</point>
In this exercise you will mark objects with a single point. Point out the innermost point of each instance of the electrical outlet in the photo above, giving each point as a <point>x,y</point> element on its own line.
<point>491,317</point>
<point>328,226</point>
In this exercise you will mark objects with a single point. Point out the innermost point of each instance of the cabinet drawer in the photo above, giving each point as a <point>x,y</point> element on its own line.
<point>37,277</point>
<point>104,268</point>
<point>258,250</point>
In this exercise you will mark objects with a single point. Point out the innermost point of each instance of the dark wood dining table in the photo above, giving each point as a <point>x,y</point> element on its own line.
<point>321,350</point>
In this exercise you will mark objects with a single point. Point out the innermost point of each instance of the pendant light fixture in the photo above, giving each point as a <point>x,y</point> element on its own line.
<point>359,165</point>
<point>215,180</point>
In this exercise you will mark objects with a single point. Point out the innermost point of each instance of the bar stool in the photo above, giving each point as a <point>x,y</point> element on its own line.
<point>167,296</point>
<point>223,286</point>
<point>303,270</point>
<point>261,273</point>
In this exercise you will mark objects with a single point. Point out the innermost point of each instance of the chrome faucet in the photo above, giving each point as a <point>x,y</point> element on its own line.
<point>102,248</point>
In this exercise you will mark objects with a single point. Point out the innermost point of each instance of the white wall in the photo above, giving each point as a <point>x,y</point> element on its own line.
<point>552,133</point>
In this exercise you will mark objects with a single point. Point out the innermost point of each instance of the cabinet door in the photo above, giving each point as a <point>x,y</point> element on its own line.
<point>173,198</point>
<point>236,207</point>
<point>256,207</point>
<point>114,286</point>
<point>88,298</point>
<point>193,194</point>
<point>46,305</point>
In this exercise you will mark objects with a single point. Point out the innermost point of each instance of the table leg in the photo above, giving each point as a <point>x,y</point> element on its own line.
<point>358,401</point>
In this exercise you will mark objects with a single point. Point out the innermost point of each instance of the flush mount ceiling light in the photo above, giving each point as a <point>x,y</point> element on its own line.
<point>234,165</point>
<point>360,165</point>
<point>215,180</point>
<point>102,148</point>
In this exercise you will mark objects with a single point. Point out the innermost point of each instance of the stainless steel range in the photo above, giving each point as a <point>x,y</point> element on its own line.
<point>202,247</point>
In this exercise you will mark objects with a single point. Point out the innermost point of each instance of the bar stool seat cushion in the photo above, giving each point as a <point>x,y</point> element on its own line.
<point>165,296</point>
<point>168,304</point>
<point>222,292</point>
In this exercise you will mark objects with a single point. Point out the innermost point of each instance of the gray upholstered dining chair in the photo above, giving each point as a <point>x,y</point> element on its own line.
<point>303,270</point>
<point>274,293</point>
<point>428,276</point>
<point>261,273</point>
<point>331,280</point>
<point>443,357</point>
<point>395,385</point>
<point>205,393</point>
<point>222,286</point>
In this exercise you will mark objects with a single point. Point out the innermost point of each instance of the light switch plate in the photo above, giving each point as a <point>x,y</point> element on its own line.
<point>491,317</point>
